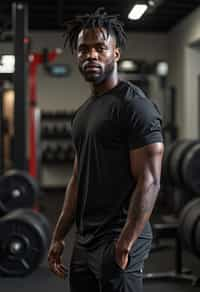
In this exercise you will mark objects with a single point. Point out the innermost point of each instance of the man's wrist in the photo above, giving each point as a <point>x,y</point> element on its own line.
<point>126,238</point>
<point>58,240</point>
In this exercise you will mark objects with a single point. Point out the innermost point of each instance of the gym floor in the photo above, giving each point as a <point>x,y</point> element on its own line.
<point>43,280</point>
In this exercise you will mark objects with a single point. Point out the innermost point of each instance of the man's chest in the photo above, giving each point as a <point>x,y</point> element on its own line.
<point>98,122</point>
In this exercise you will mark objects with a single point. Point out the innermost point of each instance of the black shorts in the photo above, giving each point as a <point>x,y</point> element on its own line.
<point>97,271</point>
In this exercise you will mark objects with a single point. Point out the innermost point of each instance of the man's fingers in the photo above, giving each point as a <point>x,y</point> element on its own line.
<point>64,268</point>
<point>57,267</point>
<point>61,268</point>
<point>59,271</point>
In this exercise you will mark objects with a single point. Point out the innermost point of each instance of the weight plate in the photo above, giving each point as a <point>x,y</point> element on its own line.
<point>187,224</point>
<point>24,239</point>
<point>165,164</point>
<point>191,168</point>
<point>175,162</point>
<point>36,220</point>
<point>17,190</point>
<point>197,238</point>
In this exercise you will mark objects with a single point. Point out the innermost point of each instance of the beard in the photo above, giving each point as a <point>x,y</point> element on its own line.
<point>100,75</point>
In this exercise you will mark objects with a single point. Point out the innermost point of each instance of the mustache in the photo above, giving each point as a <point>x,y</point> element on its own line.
<point>90,63</point>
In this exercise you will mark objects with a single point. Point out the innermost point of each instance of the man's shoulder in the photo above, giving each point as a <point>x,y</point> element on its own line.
<point>136,101</point>
<point>130,92</point>
<point>132,95</point>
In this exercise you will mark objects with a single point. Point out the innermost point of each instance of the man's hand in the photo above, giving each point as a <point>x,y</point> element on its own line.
<point>54,259</point>
<point>121,256</point>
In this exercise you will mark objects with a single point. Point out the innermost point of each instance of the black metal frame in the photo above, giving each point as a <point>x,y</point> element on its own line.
<point>179,274</point>
<point>1,130</point>
<point>20,28</point>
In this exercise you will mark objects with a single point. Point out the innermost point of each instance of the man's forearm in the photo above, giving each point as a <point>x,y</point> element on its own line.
<point>67,215</point>
<point>140,209</point>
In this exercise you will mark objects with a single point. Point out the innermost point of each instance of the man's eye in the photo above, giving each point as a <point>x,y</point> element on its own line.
<point>83,50</point>
<point>101,49</point>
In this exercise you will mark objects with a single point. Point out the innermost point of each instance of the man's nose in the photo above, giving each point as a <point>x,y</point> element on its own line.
<point>93,54</point>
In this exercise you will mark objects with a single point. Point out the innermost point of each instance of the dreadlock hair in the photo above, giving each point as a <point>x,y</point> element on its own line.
<point>100,19</point>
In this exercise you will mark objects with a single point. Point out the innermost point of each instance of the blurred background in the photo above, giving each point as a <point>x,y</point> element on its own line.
<point>40,90</point>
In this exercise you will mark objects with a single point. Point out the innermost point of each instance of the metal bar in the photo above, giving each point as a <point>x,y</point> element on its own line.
<point>1,130</point>
<point>20,32</point>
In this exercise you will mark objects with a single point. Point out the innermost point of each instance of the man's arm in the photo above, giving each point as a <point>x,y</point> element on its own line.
<point>145,166</point>
<point>64,224</point>
<point>67,215</point>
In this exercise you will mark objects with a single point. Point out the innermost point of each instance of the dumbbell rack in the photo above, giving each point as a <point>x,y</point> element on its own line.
<point>56,140</point>
<point>170,231</point>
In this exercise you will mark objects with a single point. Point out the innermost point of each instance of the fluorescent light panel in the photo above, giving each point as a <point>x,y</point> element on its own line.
<point>137,11</point>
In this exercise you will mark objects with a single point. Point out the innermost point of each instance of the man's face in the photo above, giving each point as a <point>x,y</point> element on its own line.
<point>96,56</point>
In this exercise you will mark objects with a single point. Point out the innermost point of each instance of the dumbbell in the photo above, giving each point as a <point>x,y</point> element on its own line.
<point>48,153</point>
<point>60,153</point>
<point>65,131</point>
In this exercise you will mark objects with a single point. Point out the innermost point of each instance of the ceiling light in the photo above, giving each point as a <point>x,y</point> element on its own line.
<point>7,64</point>
<point>128,66</point>
<point>137,11</point>
<point>151,3</point>
<point>162,68</point>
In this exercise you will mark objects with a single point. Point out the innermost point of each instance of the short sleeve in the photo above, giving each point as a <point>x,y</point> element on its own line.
<point>143,122</point>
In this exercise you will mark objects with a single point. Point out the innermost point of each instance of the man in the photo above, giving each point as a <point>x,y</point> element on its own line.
<point>116,174</point>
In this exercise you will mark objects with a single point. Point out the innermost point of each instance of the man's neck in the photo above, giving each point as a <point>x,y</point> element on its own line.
<point>99,89</point>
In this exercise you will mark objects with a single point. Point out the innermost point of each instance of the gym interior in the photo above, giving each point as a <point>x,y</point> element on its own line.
<point>41,89</point>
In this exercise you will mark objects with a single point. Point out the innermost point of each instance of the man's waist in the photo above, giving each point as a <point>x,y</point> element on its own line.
<point>95,236</point>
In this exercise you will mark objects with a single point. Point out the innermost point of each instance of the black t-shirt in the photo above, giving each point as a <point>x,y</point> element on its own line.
<point>104,129</point>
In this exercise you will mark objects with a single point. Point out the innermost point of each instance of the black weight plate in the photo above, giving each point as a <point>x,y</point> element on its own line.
<point>168,158</point>
<point>185,226</point>
<point>191,168</point>
<point>27,261</point>
<point>27,229</point>
<point>37,221</point>
<point>188,219</point>
<point>179,199</point>
<point>165,176</point>
<point>176,160</point>
<point>17,190</point>
<point>197,239</point>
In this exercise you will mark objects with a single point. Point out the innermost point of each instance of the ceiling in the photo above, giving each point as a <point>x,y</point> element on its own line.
<point>50,14</point>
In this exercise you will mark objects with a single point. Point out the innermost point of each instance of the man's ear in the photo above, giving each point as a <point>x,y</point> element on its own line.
<point>117,54</point>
